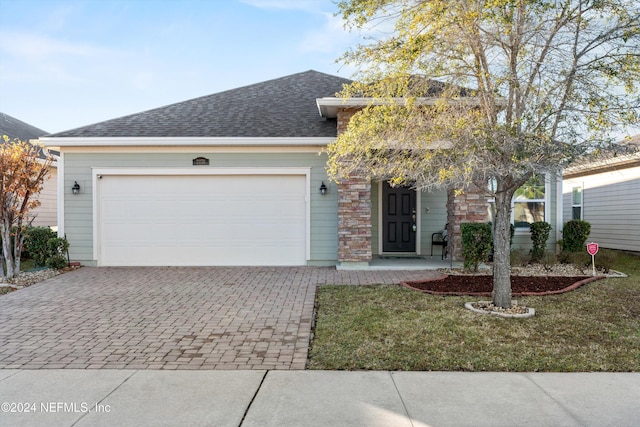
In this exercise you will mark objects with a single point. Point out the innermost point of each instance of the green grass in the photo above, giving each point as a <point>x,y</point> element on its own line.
<point>595,328</point>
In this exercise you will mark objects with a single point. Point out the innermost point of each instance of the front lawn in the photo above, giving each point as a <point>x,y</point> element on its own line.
<point>594,328</point>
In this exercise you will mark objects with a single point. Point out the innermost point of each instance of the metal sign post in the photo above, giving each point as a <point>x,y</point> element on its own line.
<point>592,248</point>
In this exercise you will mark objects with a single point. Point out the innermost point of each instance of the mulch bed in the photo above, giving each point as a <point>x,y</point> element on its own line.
<point>482,285</point>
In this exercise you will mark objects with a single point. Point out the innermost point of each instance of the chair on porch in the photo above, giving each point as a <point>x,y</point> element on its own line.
<point>440,238</point>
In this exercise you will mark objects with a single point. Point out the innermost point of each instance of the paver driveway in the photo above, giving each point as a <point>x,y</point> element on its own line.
<point>170,318</point>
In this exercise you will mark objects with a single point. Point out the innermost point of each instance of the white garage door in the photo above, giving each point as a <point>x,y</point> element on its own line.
<point>201,220</point>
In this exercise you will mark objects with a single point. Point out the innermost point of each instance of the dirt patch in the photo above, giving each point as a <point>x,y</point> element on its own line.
<point>482,285</point>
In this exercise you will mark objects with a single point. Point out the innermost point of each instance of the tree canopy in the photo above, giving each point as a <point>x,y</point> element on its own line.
<point>464,92</point>
<point>22,175</point>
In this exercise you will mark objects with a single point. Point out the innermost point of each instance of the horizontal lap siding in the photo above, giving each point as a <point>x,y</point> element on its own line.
<point>612,205</point>
<point>46,215</point>
<point>78,208</point>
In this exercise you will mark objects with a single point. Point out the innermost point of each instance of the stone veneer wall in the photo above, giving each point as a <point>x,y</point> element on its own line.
<point>470,206</point>
<point>354,209</point>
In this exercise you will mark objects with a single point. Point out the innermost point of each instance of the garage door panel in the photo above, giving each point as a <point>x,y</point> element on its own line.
<point>202,220</point>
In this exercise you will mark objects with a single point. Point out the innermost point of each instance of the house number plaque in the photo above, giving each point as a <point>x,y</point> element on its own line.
<point>200,161</point>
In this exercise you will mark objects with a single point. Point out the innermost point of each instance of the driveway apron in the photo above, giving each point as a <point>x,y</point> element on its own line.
<point>171,317</point>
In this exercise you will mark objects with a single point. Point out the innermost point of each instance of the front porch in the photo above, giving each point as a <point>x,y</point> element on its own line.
<point>395,228</point>
<point>386,262</point>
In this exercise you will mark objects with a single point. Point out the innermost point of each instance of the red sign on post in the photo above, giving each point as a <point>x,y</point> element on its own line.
<point>592,248</point>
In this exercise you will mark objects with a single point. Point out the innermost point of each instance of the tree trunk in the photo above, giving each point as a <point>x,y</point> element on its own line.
<point>502,250</point>
<point>17,249</point>
<point>6,247</point>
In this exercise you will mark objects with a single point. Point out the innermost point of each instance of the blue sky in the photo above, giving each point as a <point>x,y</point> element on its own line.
<point>65,64</point>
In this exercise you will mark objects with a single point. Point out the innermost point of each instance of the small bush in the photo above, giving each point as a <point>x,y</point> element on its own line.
<point>476,243</point>
<point>57,249</point>
<point>57,262</point>
<point>36,244</point>
<point>575,234</point>
<point>539,235</point>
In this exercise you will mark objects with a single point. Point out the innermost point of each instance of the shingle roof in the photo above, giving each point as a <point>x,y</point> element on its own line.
<point>623,154</point>
<point>283,107</point>
<point>15,128</point>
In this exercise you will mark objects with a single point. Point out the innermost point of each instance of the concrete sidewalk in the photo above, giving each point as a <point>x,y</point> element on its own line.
<point>316,398</point>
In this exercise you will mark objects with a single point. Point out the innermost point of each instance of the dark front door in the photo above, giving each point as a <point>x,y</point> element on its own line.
<point>398,219</point>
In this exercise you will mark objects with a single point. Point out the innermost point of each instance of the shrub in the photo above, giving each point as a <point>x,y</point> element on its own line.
<point>57,262</point>
<point>57,249</point>
<point>36,244</point>
<point>476,243</point>
<point>539,235</point>
<point>575,234</point>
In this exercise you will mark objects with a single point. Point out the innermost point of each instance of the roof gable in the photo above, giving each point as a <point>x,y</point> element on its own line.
<point>283,107</point>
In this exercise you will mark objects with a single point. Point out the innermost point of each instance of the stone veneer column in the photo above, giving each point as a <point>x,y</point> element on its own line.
<point>354,210</point>
<point>354,220</point>
<point>470,206</point>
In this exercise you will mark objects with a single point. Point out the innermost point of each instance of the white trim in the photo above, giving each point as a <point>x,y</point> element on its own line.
<point>61,195</point>
<point>418,222</point>
<point>97,173</point>
<point>559,207</point>
<point>183,141</point>
<point>315,149</point>
<point>380,219</point>
<point>546,201</point>
<point>579,185</point>
<point>418,250</point>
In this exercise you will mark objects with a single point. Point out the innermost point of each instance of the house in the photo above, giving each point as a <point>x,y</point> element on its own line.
<point>238,178</point>
<point>606,193</point>
<point>45,214</point>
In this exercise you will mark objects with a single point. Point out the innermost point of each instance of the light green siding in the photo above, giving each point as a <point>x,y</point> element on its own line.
<point>78,209</point>
<point>432,221</point>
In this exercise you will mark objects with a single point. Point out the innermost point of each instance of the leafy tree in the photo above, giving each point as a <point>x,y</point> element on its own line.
<point>465,92</point>
<point>22,175</point>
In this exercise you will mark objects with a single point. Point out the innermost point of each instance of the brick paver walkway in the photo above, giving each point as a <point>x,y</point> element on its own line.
<point>170,318</point>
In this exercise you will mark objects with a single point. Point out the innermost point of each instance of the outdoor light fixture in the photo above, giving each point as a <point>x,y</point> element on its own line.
<point>76,187</point>
<point>323,188</point>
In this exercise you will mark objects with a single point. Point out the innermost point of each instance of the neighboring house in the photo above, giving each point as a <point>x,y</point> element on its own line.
<point>237,178</point>
<point>46,214</point>
<point>606,193</point>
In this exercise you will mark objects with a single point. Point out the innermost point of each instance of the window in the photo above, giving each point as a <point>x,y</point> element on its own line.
<point>576,203</point>
<point>529,202</point>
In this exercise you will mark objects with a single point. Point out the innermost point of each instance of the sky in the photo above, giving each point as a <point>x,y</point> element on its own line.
<point>70,63</point>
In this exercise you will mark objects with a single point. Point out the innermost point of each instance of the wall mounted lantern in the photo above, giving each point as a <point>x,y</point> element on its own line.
<point>76,187</point>
<point>323,189</point>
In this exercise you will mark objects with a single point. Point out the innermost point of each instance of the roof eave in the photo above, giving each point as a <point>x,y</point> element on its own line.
<point>328,107</point>
<point>185,141</point>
